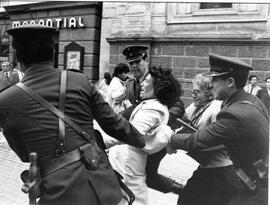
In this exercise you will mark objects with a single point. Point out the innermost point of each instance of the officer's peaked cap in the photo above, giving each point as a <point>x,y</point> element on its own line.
<point>222,65</point>
<point>30,30</point>
<point>133,53</point>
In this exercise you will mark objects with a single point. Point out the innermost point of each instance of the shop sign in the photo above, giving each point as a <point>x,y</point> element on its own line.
<point>71,22</point>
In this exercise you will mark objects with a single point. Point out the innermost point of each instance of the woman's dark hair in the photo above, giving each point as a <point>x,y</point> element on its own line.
<point>166,87</point>
<point>120,68</point>
<point>107,77</point>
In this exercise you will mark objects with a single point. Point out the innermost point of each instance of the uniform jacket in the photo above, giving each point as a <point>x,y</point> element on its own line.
<point>130,91</point>
<point>240,126</point>
<point>28,127</point>
<point>130,161</point>
<point>7,81</point>
<point>264,97</point>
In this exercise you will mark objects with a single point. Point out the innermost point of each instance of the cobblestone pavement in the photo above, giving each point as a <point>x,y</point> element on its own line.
<point>177,166</point>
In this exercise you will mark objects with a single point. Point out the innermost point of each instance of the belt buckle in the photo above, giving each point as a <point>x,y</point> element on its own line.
<point>261,169</point>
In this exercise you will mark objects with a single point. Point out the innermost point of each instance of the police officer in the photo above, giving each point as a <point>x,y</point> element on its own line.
<point>137,59</point>
<point>30,127</point>
<point>242,125</point>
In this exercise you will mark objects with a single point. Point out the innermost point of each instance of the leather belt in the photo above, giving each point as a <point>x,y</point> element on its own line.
<point>63,161</point>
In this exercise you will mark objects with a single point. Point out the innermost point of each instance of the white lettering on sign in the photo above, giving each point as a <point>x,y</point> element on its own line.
<point>71,22</point>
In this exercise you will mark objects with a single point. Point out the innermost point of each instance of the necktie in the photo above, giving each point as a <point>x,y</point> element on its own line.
<point>251,89</point>
<point>137,90</point>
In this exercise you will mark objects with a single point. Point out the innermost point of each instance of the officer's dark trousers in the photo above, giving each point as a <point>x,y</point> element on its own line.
<point>153,179</point>
<point>257,197</point>
<point>210,186</point>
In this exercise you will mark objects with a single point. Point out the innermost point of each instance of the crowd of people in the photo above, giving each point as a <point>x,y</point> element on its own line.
<point>225,129</point>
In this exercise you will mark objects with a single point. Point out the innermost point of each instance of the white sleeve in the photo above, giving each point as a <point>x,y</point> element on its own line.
<point>146,122</point>
<point>158,140</point>
<point>116,89</point>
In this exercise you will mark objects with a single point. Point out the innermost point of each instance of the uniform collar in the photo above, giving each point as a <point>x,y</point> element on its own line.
<point>237,96</point>
<point>39,67</point>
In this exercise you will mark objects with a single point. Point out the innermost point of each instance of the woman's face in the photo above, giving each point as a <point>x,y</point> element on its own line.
<point>123,76</point>
<point>147,89</point>
<point>199,96</point>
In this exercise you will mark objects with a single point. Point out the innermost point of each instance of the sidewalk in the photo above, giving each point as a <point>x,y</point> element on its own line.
<point>177,166</point>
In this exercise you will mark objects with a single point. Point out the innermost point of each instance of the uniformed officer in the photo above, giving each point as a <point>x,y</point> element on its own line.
<point>137,58</point>
<point>30,127</point>
<point>242,125</point>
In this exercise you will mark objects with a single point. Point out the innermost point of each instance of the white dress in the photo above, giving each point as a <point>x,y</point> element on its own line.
<point>150,118</point>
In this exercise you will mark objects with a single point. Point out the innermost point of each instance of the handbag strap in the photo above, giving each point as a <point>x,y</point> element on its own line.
<point>55,111</point>
<point>61,128</point>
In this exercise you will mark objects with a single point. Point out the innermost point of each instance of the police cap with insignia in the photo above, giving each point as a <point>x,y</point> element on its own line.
<point>133,53</point>
<point>29,32</point>
<point>230,66</point>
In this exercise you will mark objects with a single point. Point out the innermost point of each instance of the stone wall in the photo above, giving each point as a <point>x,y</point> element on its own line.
<point>184,47</point>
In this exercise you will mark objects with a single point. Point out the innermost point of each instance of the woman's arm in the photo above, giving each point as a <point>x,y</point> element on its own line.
<point>151,122</point>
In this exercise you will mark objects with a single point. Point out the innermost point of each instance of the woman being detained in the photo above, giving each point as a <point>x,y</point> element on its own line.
<point>159,90</point>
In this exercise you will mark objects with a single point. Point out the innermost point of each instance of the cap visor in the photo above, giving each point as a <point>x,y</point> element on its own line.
<point>214,74</point>
<point>31,28</point>
<point>134,59</point>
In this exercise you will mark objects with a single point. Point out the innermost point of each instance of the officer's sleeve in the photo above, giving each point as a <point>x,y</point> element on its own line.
<point>18,147</point>
<point>220,132</point>
<point>114,125</point>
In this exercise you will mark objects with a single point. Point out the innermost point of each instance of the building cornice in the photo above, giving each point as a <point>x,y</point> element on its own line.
<point>47,5</point>
<point>229,40</point>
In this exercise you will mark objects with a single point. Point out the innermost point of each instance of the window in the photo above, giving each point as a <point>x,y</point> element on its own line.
<point>215,12</point>
<point>215,5</point>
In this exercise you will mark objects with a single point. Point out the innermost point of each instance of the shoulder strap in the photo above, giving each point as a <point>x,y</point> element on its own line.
<point>55,111</point>
<point>61,128</point>
<point>197,115</point>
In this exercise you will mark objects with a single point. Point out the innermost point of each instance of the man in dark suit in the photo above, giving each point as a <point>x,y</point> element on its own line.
<point>7,76</point>
<point>242,126</point>
<point>137,59</point>
<point>30,127</point>
<point>264,93</point>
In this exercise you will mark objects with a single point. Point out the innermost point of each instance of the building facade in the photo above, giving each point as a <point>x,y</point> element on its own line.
<point>79,25</point>
<point>180,35</point>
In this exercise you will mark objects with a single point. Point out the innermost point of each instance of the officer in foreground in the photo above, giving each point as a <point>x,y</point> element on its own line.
<point>242,125</point>
<point>67,178</point>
